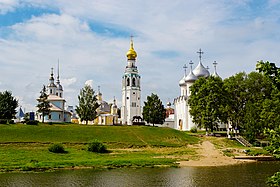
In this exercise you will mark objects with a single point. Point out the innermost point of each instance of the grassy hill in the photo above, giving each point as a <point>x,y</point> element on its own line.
<point>117,136</point>
<point>25,147</point>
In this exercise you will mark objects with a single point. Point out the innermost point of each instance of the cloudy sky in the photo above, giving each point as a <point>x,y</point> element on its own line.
<point>91,37</point>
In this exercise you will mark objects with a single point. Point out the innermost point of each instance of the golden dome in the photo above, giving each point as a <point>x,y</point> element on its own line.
<point>131,53</point>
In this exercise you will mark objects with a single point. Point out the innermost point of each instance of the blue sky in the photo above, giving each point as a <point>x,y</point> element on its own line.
<point>91,38</point>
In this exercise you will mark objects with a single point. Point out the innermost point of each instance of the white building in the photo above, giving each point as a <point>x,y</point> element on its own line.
<point>182,117</point>
<point>57,114</point>
<point>131,91</point>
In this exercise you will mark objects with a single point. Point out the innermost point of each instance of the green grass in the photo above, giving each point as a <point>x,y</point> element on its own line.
<point>117,136</point>
<point>25,147</point>
<point>256,152</point>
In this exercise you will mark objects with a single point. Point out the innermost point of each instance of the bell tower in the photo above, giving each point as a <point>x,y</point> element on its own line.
<point>131,91</point>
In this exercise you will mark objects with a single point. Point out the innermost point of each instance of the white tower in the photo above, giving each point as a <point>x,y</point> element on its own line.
<point>51,86</point>
<point>131,92</point>
<point>59,90</point>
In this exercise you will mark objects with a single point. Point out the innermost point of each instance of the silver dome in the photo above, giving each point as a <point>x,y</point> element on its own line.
<point>201,71</point>
<point>182,82</point>
<point>191,77</point>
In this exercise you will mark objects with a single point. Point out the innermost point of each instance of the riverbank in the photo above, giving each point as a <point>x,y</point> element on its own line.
<point>210,156</point>
<point>25,148</point>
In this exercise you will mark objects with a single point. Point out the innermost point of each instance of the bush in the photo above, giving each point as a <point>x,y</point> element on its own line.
<point>3,121</point>
<point>57,148</point>
<point>274,180</point>
<point>11,122</point>
<point>193,130</point>
<point>32,122</point>
<point>96,146</point>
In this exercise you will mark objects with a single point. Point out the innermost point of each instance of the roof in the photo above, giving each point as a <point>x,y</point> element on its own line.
<point>55,108</point>
<point>55,98</point>
<point>201,71</point>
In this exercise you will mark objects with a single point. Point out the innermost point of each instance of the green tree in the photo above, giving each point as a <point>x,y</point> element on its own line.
<point>8,105</point>
<point>246,94</point>
<point>207,102</point>
<point>43,103</point>
<point>153,110</point>
<point>258,89</point>
<point>235,88</point>
<point>87,109</point>
<point>271,71</point>
<point>270,114</point>
<point>270,117</point>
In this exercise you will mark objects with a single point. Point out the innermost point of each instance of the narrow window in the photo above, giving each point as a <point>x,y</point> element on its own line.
<point>127,82</point>
<point>133,82</point>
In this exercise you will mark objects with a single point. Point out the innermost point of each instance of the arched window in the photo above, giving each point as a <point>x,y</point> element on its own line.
<point>133,82</point>
<point>127,82</point>
<point>50,91</point>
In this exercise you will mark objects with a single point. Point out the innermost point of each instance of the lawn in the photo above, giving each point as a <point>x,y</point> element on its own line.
<point>25,147</point>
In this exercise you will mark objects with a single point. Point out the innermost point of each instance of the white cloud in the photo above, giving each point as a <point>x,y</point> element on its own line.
<point>236,41</point>
<point>69,81</point>
<point>8,5</point>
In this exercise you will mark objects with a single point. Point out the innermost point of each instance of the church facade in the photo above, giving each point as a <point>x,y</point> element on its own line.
<point>182,118</point>
<point>131,90</point>
<point>57,114</point>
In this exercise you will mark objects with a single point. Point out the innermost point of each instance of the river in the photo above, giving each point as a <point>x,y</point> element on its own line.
<point>245,175</point>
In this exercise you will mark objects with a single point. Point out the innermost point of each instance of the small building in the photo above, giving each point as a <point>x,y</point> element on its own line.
<point>57,114</point>
<point>107,113</point>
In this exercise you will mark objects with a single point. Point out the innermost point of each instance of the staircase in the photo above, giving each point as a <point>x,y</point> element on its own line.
<point>243,141</point>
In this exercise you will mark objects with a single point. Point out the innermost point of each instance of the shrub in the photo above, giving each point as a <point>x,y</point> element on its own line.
<point>96,146</point>
<point>193,130</point>
<point>11,122</point>
<point>3,121</point>
<point>32,122</point>
<point>274,180</point>
<point>57,148</point>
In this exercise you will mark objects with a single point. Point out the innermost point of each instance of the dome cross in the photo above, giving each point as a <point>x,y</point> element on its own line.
<point>185,69</point>
<point>200,52</point>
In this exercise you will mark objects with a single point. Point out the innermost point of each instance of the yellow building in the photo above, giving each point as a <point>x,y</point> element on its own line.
<point>107,113</point>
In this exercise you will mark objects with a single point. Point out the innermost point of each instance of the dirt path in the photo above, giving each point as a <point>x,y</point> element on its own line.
<point>210,156</point>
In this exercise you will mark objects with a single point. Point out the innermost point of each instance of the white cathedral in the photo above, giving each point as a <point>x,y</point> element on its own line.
<point>131,90</point>
<point>182,118</point>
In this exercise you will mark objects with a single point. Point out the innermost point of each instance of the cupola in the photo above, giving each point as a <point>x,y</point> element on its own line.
<point>131,54</point>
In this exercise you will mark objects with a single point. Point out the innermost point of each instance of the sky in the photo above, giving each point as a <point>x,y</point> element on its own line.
<point>90,39</point>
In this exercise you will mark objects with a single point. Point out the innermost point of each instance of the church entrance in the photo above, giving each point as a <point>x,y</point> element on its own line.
<point>180,124</point>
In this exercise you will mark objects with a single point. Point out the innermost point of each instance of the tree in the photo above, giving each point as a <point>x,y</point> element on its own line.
<point>8,105</point>
<point>87,109</point>
<point>258,89</point>
<point>43,103</point>
<point>153,110</point>
<point>207,102</point>
<point>236,90</point>
<point>270,114</point>
<point>271,71</point>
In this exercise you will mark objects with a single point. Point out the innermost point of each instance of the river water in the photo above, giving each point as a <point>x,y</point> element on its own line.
<point>253,175</point>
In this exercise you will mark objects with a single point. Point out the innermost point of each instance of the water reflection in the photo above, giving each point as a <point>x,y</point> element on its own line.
<point>246,175</point>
